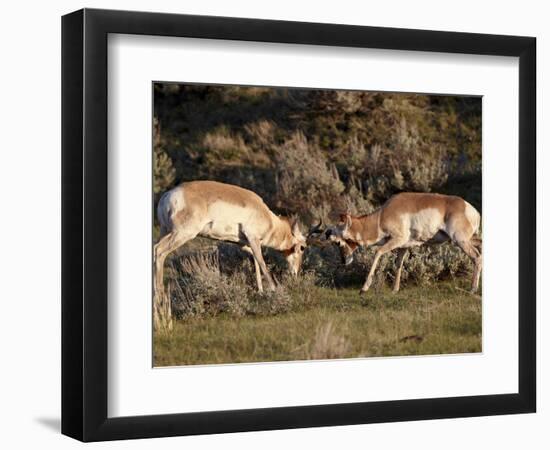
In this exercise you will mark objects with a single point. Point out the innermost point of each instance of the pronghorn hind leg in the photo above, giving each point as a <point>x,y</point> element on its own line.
<point>257,269</point>
<point>162,249</point>
<point>400,260</point>
<point>392,244</point>
<point>477,273</point>
<point>470,249</point>
<point>159,255</point>
<point>256,249</point>
<point>478,264</point>
<point>162,308</point>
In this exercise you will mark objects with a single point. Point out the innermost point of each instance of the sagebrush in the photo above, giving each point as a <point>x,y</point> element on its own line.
<point>314,152</point>
<point>200,285</point>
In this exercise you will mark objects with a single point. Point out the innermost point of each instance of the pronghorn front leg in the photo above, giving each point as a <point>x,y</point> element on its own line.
<point>392,244</point>
<point>256,249</point>
<point>257,269</point>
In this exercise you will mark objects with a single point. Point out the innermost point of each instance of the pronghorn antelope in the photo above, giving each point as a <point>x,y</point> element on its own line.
<point>407,220</point>
<point>227,213</point>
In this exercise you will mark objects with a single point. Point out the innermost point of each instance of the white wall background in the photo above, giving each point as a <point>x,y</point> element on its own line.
<point>30,228</point>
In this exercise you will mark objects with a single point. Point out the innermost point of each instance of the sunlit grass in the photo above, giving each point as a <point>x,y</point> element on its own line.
<point>335,323</point>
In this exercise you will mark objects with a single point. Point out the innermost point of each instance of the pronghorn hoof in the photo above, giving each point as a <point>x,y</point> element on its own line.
<point>362,292</point>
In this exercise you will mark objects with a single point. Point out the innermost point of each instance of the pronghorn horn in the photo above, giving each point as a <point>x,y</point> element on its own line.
<point>316,227</point>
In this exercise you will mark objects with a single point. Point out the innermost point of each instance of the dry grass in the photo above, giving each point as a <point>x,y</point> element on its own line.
<point>335,324</point>
<point>224,148</point>
<point>221,318</point>
<point>327,344</point>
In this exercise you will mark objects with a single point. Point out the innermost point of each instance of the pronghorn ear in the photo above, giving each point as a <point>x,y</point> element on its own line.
<point>295,227</point>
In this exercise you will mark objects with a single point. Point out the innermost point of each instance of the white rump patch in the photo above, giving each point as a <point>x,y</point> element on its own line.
<point>473,216</point>
<point>177,199</point>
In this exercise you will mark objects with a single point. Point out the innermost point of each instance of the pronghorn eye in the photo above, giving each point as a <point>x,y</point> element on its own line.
<point>302,248</point>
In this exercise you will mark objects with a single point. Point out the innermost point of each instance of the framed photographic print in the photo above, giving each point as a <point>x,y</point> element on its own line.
<point>273,224</point>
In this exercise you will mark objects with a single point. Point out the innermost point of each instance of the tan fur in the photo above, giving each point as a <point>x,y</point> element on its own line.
<point>224,212</point>
<point>209,192</point>
<point>412,219</point>
<point>364,230</point>
<point>449,207</point>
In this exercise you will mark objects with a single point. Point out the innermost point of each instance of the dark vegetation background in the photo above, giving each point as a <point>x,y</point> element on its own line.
<point>310,152</point>
<point>315,153</point>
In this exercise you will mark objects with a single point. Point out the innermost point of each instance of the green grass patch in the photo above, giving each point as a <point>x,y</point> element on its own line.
<point>333,323</point>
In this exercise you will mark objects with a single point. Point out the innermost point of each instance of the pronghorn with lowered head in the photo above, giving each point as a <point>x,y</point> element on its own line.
<point>407,220</point>
<point>227,213</point>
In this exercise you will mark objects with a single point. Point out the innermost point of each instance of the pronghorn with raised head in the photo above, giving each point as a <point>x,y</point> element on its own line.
<point>227,213</point>
<point>407,220</point>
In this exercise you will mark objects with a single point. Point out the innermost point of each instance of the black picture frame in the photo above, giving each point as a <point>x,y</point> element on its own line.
<point>84,224</point>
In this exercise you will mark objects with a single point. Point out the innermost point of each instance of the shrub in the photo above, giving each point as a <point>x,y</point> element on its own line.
<point>261,133</point>
<point>202,289</point>
<point>428,264</point>
<point>423,265</point>
<point>164,172</point>
<point>301,288</point>
<point>315,152</point>
<point>407,163</point>
<point>200,286</point>
<point>305,178</point>
<point>271,302</point>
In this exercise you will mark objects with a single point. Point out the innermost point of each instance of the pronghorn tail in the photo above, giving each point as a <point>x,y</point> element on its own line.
<point>164,213</point>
